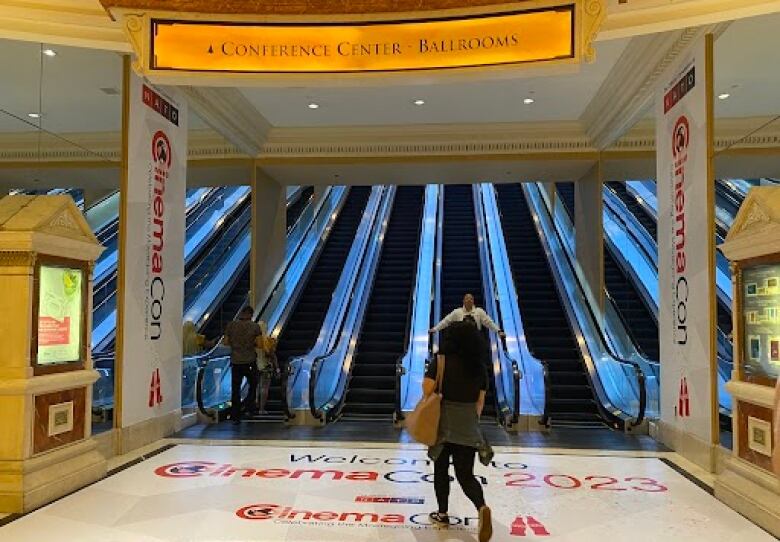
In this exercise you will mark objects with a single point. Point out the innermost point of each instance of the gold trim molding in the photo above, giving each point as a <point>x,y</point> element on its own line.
<point>305,8</point>
<point>17,258</point>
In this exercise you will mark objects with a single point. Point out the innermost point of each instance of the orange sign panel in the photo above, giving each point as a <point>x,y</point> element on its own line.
<point>530,36</point>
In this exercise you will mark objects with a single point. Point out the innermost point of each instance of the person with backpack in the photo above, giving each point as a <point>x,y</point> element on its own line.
<point>458,372</point>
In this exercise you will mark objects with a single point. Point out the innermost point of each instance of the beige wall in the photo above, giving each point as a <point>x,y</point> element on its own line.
<point>269,231</point>
<point>589,226</point>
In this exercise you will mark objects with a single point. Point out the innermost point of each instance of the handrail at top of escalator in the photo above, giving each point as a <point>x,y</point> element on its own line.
<point>350,323</point>
<point>641,378</point>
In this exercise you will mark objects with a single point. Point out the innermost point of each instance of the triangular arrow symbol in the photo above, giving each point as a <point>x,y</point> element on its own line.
<point>211,49</point>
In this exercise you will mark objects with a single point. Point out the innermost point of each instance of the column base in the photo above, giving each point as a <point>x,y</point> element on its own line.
<point>703,454</point>
<point>32,483</point>
<point>752,492</point>
<point>149,431</point>
<point>304,417</point>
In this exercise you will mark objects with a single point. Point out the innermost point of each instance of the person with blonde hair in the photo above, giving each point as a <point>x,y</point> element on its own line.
<point>193,343</point>
<point>267,365</point>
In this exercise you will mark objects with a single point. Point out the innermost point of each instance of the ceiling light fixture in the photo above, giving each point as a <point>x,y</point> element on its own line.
<point>34,115</point>
<point>313,105</point>
<point>419,102</point>
<point>50,52</point>
<point>723,96</point>
<point>528,101</point>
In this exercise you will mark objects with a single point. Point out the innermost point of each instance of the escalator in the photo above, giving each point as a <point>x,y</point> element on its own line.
<point>460,271</point>
<point>383,335</point>
<point>636,209</point>
<point>305,320</point>
<point>548,333</point>
<point>296,208</point>
<point>638,318</point>
<point>238,293</point>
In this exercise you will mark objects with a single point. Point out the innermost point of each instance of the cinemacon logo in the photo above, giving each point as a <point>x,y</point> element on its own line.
<point>196,469</point>
<point>285,514</point>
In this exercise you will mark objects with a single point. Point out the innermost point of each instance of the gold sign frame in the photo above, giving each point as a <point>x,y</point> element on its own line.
<point>183,67</point>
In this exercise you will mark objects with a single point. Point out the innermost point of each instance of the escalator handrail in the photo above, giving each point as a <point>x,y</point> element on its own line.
<point>620,212</point>
<point>501,260</point>
<point>593,372</point>
<point>630,228</point>
<point>237,231</point>
<point>207,356</point>
<point>277,279</point>
<point>112,275</point>
<point>350,328</point>
<point>232,220</point>
<point>339,298</point>
<point>411,302</point>
<point>303,209</point>
<point>488,268</point>
<point>407,357</point>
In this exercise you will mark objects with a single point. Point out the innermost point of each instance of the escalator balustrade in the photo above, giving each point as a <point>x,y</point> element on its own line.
<point>548,333</point>
<point>305,321</point>
<point>619,285</point>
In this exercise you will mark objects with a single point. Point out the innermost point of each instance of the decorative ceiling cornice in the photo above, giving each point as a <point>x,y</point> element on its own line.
<point>627,93</point>
<point>302,7</point>
<point>558,140</point>
<point>100,147</point>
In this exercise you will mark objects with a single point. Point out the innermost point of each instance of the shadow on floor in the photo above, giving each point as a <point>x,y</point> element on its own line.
<point>351,431</point>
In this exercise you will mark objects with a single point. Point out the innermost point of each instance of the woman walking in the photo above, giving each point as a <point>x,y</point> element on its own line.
<point>463,387</point>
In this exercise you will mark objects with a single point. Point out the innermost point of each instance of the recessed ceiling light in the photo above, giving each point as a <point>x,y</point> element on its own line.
<point>419,102</point>
<point>50,52</point>
<point>313,105</point>
<point>528,101</point>
<point>34,115</point>
<point>723,96</point>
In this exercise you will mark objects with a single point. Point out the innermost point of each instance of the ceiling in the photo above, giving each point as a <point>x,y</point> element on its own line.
<point>746,59</point>
<point>557,97</point>
<point>67,89</point>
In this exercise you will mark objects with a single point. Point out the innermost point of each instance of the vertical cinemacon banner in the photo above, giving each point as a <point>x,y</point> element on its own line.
<point>154,252</point>
<point>686,253</point>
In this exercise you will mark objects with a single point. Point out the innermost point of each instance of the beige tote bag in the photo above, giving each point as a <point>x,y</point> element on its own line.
<point>423,422</point>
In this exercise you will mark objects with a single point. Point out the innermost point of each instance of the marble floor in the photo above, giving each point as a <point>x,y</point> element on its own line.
<point>345,492</point>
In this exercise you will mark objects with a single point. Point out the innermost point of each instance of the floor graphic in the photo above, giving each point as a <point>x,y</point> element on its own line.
<point>242,493</point>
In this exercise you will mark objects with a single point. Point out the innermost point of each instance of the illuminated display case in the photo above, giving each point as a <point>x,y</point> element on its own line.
<point>760,323</point>
<point>748,482</point>
<point>59,332</point>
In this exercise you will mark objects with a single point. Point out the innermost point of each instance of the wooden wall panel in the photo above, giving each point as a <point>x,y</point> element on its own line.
<point>42,442</point>
<point>747,410</point>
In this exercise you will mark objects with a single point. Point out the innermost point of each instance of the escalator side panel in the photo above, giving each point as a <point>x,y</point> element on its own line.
<point>548,332</point>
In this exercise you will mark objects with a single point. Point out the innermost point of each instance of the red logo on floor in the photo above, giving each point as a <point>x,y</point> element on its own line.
<point>684,402</point>
<point>155,389</point>
<point>522,524</point>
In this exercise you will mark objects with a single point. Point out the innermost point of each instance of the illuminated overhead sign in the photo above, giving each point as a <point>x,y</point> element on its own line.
<point>538,35</point>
